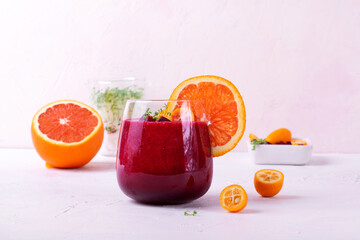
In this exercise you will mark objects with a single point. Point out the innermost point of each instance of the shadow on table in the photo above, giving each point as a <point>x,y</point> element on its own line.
<point>208,202</point>
<point>278,198</point>
<point>97,167</point>
<point>318,161</point>
<point>211,203</point>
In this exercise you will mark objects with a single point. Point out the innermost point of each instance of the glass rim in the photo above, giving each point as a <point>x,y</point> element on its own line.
<point>125,79</point>
<point>162,100</point>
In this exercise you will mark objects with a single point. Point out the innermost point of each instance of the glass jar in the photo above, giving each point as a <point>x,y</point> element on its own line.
<point>109,98</point>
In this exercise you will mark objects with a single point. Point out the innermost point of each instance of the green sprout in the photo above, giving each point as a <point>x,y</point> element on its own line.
<point>111,104</point>
<point>257,142</point>
<point>189,213</point>
<point>147,113</point>
<point>157,113</point>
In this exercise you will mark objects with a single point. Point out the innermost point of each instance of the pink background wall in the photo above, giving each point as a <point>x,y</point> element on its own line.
<point>296,63</point>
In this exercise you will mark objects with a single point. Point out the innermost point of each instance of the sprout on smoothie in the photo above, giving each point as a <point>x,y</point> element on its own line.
<point>158,115</point>
<point>147,113</point>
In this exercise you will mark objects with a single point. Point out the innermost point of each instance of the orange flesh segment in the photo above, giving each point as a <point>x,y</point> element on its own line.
<point>232,197</point>
<point>220,109</point>
<point>179,114</point>
<point>269,176</point>
<point>67,122</point>
<point>253,137</point>
<point>175,115</point>
<point>298,142</point>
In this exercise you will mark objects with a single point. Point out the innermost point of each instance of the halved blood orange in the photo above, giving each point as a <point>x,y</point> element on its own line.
<point>67,133</point>
<point>221,106</point>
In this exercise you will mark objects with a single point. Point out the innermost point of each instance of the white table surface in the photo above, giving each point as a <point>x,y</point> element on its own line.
<point>320,200</point>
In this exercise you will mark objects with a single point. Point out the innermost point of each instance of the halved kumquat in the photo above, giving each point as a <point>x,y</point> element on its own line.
<point>298,142</point>
<point>268,182</point>
<point>233,198</point>
<point>253,137</point>
<point>279,136</point>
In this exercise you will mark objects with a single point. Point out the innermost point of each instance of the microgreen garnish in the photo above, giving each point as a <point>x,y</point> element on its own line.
<point>257,142</point>
<point>147,113</point>
<point>111,103</point>
<point>189,213</point>
<point>158,113</point>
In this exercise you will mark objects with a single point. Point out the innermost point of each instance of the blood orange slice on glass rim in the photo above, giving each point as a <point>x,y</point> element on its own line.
<point>221,106</point>
<point>67,133</point>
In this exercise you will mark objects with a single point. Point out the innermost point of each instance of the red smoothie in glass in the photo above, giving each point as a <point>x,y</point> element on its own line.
<point>164,162</point>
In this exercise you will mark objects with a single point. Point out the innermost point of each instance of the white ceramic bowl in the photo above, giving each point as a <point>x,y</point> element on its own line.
<point>281,154</point>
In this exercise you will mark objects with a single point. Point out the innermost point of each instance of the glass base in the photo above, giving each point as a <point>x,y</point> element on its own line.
<point>109,146</point>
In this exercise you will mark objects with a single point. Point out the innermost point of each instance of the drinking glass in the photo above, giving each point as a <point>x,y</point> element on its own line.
<point>109,98</point>
<point>164,152</point>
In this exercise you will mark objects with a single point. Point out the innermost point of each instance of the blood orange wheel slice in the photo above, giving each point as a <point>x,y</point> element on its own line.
<point>67,134</point>
<point>224,109</point>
